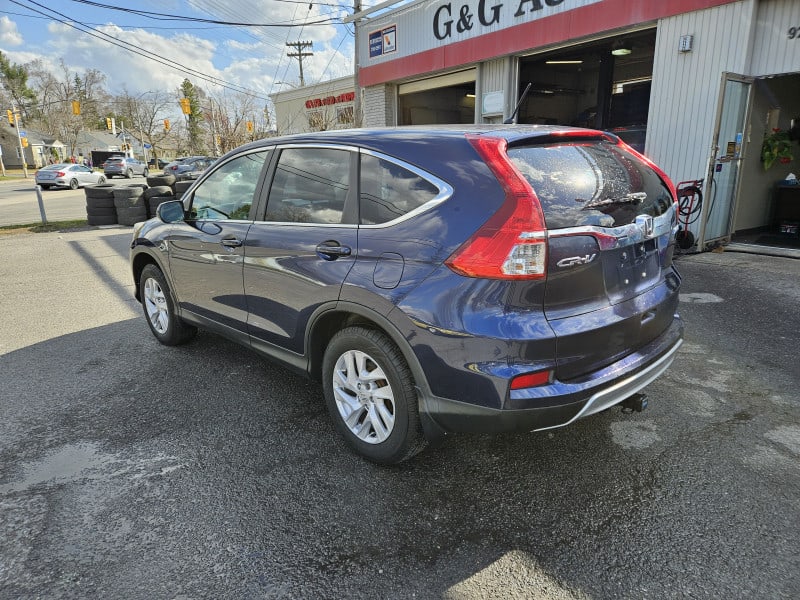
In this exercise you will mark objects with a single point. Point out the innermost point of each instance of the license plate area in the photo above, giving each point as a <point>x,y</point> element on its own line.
<point>631,269</point>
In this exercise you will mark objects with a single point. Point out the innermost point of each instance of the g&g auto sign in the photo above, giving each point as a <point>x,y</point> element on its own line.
<point>467,19</point>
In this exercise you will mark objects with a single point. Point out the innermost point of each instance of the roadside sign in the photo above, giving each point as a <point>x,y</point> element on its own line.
<point>23,134</point>
<point>148,146</point>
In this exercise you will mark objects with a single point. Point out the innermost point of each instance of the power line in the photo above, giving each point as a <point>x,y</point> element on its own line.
<point>140,51</point>
<point>299,55</point>
<point>171,17</point>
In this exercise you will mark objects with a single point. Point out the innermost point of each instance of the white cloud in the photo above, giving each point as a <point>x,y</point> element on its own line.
<point>9,36</point>
<point>250,57</point>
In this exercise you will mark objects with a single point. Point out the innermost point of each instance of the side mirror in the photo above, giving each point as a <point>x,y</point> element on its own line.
<point>171,211</point>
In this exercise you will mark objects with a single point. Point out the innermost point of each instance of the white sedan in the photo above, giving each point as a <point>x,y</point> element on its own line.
<point>67,175</point>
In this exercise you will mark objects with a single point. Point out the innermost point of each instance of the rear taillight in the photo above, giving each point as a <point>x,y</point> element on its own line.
<point>512,244</point>
<point>60,174</point>
<point>529,380</point>
<point>174,167</point>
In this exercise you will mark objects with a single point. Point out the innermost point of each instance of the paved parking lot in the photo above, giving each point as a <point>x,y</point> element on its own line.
<point>131,470</point>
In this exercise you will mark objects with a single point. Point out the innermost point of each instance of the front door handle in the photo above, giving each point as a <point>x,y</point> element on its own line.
<point>331,250</point>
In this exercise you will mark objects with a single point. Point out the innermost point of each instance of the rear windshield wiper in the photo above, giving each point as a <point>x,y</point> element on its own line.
<point>632,198</point>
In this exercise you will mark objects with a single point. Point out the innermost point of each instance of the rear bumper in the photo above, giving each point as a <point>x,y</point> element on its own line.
<point>560,403</point>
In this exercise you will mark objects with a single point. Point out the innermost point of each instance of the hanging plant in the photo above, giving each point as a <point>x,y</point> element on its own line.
<point>777,146</point>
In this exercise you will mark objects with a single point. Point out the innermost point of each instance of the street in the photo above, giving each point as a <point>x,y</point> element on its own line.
<point>19,204</point>
<point>133,470</point>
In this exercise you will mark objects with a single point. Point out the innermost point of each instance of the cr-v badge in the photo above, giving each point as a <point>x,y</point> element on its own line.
<point>576,260</point>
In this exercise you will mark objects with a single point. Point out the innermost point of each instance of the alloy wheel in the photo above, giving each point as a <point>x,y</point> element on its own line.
<point>155,303</point>
<point>364,397</point>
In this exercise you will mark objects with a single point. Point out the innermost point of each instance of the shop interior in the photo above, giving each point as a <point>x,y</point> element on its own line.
<point>767,209</point>
<point>603,85</point>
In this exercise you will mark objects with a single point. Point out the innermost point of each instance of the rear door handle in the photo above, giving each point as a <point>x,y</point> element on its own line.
<point>231,242</point>
<point>331,250</point>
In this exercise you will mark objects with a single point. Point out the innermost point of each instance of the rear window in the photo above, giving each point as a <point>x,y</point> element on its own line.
<point>590,183</point>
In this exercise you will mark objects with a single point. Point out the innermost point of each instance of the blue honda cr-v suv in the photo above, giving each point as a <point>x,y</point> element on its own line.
<point>434,280</point>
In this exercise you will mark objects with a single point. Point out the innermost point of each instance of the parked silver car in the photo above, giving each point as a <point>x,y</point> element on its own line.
<point>124,167</point>
<point>188,167</point>
<point>67,175</point>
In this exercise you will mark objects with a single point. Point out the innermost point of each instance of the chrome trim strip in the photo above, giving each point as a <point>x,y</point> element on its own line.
<point>624,235</point>
<point>624,389</point>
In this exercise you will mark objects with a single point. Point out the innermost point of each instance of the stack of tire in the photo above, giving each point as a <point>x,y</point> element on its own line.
<point>161,190</point>
<point>100,206</point>
<point>130,204</point>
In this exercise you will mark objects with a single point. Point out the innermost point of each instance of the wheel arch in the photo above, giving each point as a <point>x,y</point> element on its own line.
<point>329,320</point>
<point>138,262</point>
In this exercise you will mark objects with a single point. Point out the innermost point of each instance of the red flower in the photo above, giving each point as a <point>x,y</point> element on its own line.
<point>785,159</point>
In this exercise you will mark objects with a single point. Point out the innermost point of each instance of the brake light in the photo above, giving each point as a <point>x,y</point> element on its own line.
<point>174,167</point>
<point>529,380</point>
<point>60,174</point>
<point>512,244</point>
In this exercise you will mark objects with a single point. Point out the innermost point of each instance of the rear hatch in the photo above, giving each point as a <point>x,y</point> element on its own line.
<point>610,216</point>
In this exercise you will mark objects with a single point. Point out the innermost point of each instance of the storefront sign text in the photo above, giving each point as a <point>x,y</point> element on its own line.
<point>463,18</point>
<point>328,100</point>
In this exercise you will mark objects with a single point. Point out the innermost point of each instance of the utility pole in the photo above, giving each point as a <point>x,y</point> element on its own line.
<point>357,108</point>
<point>299,55</point>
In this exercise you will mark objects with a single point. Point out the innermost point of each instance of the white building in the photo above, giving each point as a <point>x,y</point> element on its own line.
<point>695,84</point>
<point>320,107</point>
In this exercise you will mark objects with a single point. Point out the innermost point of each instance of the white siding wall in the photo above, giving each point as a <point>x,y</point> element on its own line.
<point>773,52</point>
<point>686,87</point>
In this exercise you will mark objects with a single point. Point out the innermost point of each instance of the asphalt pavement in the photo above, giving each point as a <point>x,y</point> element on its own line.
<point>132,470</point>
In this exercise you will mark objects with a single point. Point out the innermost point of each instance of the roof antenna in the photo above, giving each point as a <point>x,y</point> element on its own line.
<point>512,120</point>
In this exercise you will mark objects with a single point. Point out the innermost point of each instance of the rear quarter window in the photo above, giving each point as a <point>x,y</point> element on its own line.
<point>389,191</point>
<point>593,183</point>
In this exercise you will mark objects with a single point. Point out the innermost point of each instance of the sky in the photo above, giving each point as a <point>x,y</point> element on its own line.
<point>212,56</point>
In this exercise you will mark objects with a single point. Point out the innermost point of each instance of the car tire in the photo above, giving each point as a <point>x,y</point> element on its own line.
<point>154,202</point>
<point>129,174</point>
<point>159,309</point>
<point>182,186</point>
<point>44,187</point>
<point>157,190</point>
<point>73,184</point>
<point>375,409</point>
<point>145,173</point>
<point>101,211</point>
<point>156,180</point>
<point>101,179</point>
<point>131,216</point>
<point>100,220</point>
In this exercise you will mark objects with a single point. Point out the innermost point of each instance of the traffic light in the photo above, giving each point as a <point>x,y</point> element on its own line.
<point>249,127</point>
<point>185,106</point>
<point>10,117</point>
<point>108,123</point>
<point>76,107</point>
<point>24,142</point>
<point>166,124</point>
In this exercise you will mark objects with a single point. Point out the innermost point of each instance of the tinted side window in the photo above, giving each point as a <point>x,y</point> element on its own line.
<point>228,192</point>
<point>590,183</point>
<point>389,191</point>
<point>310,186</point>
